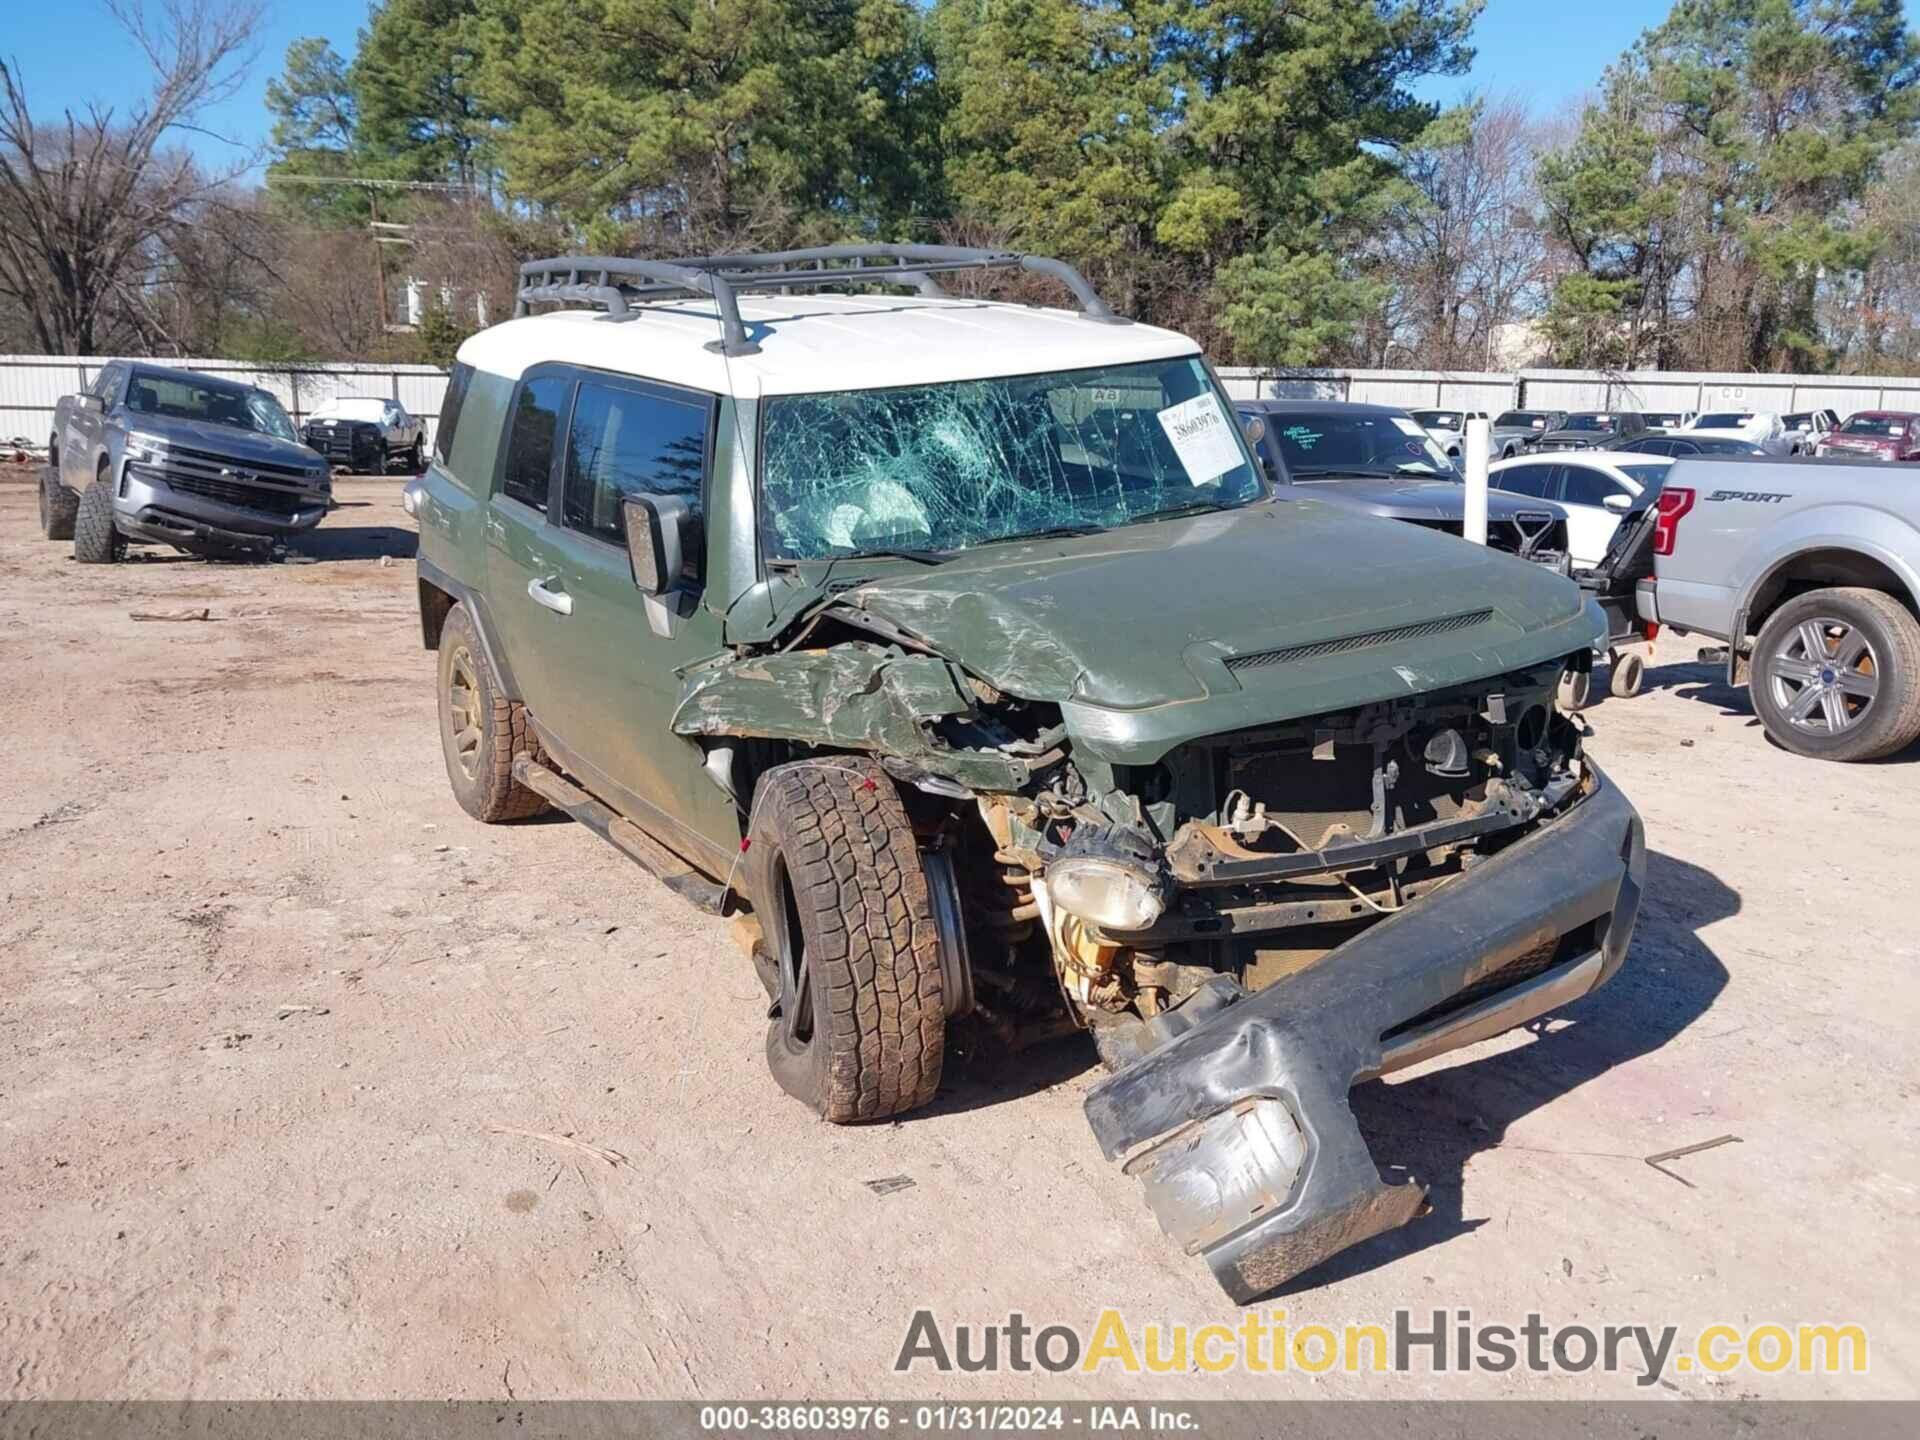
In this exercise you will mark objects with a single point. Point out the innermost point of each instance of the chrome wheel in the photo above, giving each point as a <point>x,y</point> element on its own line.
<point>1824,676</point>
<point>463,712</point>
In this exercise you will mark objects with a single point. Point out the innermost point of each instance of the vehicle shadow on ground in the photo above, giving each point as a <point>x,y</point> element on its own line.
<point>1707,684</point>
<point>1429,1127</point>
<point>980,1071</point>
<point>354,542</point>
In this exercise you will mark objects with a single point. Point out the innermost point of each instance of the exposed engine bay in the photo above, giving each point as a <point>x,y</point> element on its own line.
<point>1251,855</point>
<point>1108,894</point>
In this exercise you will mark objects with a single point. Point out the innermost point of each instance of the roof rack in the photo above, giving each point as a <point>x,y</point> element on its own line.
<point>611,281</point>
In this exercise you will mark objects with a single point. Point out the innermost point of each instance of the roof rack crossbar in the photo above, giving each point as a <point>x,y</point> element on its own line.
<point>610,281</point>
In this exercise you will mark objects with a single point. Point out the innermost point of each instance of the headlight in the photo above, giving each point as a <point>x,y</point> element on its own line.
<point>142,446</point>
<point>1109,893</point>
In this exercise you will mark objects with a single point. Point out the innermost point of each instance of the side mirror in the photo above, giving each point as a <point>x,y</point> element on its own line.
<point>1618,503</point>
<point>658,527</point>
<point>1254,427</point>
<point>92,402</point>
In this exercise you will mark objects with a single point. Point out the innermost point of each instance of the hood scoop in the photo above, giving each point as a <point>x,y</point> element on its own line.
<point>1320,649</point>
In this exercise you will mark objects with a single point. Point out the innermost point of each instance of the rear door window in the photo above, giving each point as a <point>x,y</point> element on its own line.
<point>632,440</point>
<point>457,383</point>
<point>526,473</point>
<point>1535,480</point>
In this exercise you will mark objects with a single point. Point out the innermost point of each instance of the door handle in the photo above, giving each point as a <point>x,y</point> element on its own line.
<point>557,601</point>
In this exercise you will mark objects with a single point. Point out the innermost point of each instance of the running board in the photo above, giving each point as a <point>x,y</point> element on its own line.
<point>625,836</point>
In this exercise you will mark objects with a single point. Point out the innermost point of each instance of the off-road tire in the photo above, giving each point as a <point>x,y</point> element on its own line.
<point>835,879</point>
<point>1892,719</point>
<point>96,539</point>
<point>383,461</point>
<point>1626,675</point>
<point>480,766</point>
<point>58,508</point>
<point>416,459</point>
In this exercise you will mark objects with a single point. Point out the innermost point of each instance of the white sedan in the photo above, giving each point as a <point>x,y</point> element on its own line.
<point>1594,487</point>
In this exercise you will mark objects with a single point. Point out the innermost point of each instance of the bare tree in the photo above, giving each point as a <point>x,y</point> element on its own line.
<point>1464,255</point>
<point>92,202</point>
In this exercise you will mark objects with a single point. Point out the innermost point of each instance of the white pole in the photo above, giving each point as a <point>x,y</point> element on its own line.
<point>1478,450</point>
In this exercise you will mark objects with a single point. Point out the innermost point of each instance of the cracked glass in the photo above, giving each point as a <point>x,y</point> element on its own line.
<point>944,467</point>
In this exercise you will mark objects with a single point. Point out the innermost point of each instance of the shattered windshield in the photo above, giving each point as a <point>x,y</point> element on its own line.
<point>936,468</point>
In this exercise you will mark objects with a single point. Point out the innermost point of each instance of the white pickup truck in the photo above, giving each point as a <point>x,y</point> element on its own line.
<point>1809,570</point>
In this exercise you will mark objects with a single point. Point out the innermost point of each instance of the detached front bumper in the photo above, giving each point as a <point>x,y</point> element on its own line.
<point>1238,1125</point>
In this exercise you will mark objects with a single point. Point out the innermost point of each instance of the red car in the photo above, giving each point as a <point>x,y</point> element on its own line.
<point>1876,435</point>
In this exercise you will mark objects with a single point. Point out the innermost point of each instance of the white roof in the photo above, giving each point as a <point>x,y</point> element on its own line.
<point>1611,461</point>
<point>366,407</point>
<point>821,342</point>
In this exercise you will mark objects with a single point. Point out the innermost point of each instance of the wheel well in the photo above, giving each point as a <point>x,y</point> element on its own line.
<point>1819,570</point>
<point>435,605</point>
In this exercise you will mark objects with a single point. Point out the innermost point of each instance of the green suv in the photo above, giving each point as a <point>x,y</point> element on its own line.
<point>964,649</point>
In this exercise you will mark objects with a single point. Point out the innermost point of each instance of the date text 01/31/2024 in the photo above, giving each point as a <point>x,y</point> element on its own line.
<point>945,1418</point>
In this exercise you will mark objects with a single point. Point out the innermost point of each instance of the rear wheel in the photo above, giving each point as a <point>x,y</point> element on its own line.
<point>58,507</point>
<point>481,730</point>
<point>96,539</point>
<point>860,1027</point>
<point>1836,675</point>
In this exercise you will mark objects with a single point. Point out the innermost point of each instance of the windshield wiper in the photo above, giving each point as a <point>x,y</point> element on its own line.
<point>1198,507</point>
<point>878,552</point>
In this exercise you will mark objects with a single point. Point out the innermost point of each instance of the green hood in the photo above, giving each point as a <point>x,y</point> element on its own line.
<point>1154,634</point>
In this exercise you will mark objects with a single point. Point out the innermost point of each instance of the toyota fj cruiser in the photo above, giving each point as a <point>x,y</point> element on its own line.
<point>965,648</point>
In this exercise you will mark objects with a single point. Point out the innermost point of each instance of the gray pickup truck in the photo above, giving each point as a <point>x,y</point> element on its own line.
<point>1809,570</point>
<point>205,465</point>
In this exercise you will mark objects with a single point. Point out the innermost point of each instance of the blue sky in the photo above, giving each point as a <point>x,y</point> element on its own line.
<point>1543,52</point>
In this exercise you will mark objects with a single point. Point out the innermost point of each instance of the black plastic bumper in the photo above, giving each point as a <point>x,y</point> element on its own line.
<point>1239,1126</point>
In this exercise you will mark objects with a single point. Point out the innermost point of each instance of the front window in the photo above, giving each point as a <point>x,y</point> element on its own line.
<point>1319,447</point>
<point>1604,424</point>
<point>1892,426</point>
<point>1725,420</point>
<point>175,399</point>
<point>939,468</point>
<point>1521,420</point>
<point>1438,419</point>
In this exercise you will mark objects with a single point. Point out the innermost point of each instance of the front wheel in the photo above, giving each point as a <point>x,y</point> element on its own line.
<point>1836,675</point>
<point>96,539</point>
<point>835,878</point>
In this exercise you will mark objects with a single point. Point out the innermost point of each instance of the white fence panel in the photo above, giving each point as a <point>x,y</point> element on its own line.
<point>1582,389</point>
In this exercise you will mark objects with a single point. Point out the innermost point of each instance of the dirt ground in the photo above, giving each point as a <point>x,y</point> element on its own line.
<point>293,1057</point>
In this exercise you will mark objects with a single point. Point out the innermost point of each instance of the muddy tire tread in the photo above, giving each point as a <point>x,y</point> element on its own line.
<point>96,541</point>
<point>506,732</point>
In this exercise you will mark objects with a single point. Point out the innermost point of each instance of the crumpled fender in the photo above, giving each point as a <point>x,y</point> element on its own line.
<point>850,696</point>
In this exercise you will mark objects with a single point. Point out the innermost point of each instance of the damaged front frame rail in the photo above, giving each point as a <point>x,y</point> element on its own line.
<point>1238,1124</point>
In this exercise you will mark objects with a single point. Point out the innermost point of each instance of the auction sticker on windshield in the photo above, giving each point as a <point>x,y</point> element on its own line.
<point>1202,437</point>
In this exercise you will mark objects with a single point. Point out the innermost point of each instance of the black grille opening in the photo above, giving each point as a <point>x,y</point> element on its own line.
<point>241,497</point>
